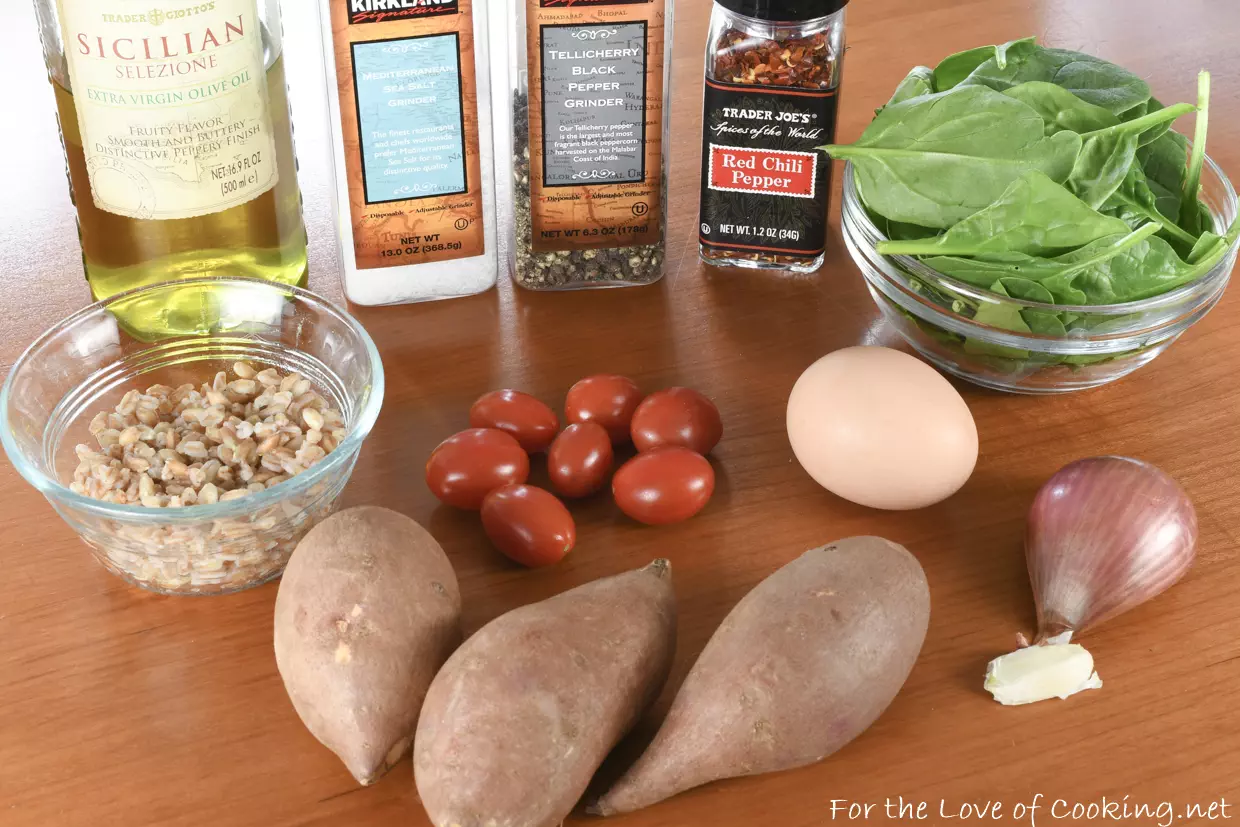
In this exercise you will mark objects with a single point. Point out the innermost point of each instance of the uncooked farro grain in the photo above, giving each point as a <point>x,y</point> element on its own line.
<point>220,441</point>
<point>182,438</point>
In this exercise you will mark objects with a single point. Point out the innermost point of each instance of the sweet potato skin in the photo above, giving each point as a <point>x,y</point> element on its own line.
<point>368,610</point>
<point>801,666</point>
<point>521,716</point>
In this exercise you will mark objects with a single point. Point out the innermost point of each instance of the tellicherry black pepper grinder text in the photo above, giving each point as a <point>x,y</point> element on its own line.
<point>588,152</point>
<point>772,85</point>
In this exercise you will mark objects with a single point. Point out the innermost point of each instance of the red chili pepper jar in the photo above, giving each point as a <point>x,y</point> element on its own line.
<point>772,86</point>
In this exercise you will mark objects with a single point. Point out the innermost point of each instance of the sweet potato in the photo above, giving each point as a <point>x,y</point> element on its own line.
<point>801,666</point>
<point>367,612</point>
<point>521,716</point>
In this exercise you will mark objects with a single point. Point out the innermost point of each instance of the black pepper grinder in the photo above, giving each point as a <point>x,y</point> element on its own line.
<point>772,88</point>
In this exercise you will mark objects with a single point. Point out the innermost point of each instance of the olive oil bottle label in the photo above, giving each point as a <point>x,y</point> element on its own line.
<point>765,183</point>
<point>172,104</point>
<point>595,122</point>
<point>408,101</point>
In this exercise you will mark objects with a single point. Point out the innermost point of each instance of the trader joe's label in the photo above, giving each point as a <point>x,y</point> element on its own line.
<point>764,182</point>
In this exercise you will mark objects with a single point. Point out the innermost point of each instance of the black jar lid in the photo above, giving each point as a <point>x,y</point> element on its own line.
<point>783,11</point>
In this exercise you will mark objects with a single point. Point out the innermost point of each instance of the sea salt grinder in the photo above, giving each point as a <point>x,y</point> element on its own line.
<point>409,94</point>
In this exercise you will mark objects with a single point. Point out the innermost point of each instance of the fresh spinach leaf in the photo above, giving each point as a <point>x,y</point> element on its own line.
<point>1044,322</point>
<point>1102,166</point>
<point>937,159</point>
<point>1025,290</point>
<point>1135,202</point>
<point>1154,132</point>
<point>1204,247</point>
<point>1165,164</point>
<point>1166,201</point>
<point>1058,275</point>
<point>955,68</point>
<point>1082,359</point>
<point>1147,268</point>
<point>900,231</point>
<point>894,229</point>
<point>1071,190</point>
<point>1212,248</point>
<point>1107,154</point>
<point>1091,79</point>
<point>1206,218</point>
<point>1004,316</point>
<point>1034,215</point>
<point>918,82</point>
<point>1061,109</point>
<point>983,272</point>
<point>1137,111</point>
<point>1190,215</point>
<point>1145,108</point>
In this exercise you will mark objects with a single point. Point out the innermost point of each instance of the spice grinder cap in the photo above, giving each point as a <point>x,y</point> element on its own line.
<point>783,11</point>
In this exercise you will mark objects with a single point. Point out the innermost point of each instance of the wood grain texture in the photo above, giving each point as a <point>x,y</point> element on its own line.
<point>119,707</point>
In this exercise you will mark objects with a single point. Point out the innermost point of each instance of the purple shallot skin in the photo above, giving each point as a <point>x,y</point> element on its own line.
<point>1105,534</point>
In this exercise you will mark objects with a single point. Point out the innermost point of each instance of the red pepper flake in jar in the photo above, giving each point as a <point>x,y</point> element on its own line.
<point>772,83</point>
<point>800,62</point>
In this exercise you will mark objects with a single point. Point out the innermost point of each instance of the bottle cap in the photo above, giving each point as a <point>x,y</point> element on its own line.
<point>783,11</point>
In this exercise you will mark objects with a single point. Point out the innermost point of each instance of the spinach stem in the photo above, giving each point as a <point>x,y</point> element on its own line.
<point>923,247</point>
<point>1144,122</point>
<point>1172,229</point>
<point>1192,182</point>
<point>1131,240</point>
<point>897,248</point>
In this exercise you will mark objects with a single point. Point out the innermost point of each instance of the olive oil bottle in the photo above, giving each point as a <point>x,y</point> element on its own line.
<point>179,147</point>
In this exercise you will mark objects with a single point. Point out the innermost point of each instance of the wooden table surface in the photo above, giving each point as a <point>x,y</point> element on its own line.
<point>119,707</point>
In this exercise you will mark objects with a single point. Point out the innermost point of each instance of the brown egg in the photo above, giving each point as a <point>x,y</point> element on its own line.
<point>881,428</point>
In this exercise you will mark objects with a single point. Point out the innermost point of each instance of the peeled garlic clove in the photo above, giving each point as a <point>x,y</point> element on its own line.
<point>1105,534</point>
<point>1038,673</point>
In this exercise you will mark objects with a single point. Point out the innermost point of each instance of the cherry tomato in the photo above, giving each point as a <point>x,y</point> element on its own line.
<point>663,486</point>
<point>677,416</point>
<point>579,459</point>
<point>528,524</point>
<point>532,423</point>
<point>469,465</point>
<point>606,399</point>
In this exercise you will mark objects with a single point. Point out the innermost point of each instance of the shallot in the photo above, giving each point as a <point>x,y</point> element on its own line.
<point>1105,534</point>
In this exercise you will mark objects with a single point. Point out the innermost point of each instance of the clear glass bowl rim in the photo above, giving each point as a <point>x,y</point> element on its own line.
<point>851,202</point>
<point>344,452</point>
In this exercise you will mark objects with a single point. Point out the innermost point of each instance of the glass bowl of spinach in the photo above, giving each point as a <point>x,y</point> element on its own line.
<point>1028,220</point>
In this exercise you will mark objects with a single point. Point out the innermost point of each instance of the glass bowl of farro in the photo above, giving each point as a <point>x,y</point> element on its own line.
<point>192,432</point>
